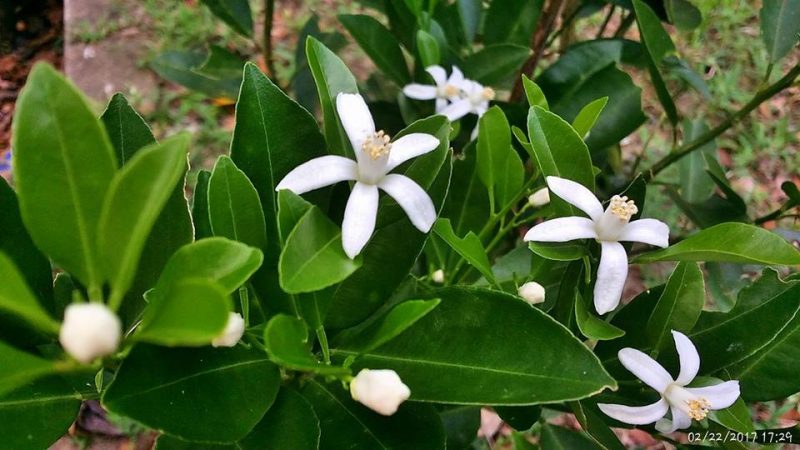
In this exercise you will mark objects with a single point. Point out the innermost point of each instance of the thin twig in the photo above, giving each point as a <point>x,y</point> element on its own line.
<point>606,21</point>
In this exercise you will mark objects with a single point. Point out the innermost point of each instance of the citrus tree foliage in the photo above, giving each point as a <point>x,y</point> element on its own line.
<point>365,281</point>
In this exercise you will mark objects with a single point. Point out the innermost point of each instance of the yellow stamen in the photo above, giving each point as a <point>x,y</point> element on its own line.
<point>377,145</point>
<point>451,91</point>
<point>698,408</point>
<point>622,207</point>
<point>488,93</point>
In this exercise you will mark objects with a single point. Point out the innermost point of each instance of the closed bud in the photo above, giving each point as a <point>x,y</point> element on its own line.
<point>89,331</point>
<point>232,333</point>
<point>438,276</point>
<point>379,390</point>
<point>539,198</point>
<point>532,292</point>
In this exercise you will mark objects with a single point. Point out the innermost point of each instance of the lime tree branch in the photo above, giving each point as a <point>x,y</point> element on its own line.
<point>760,97</point>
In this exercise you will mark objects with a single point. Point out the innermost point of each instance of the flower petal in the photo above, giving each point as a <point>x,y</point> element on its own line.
<point>577,195</point>
<point>649,231</point>
<point>562,229</point>
<point>412,198</point>
<point>355,117</point>
<point>687,354</point>
<point>319,172</point>
<point>410,146</point>
<point>645,368</point>
<point>635,415</point>
<point>457,109</point>
<point>456,77</point>
<point>611,275</point>
<point>359,218</point>
<point>438,74</point>
<point>680,420</point>
<point>720,395</point>
<point>419,91</point>
<point>440,105</point>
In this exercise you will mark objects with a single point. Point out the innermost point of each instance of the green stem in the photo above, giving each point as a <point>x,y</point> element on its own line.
<point>703,139</point>
<point>323,343</point>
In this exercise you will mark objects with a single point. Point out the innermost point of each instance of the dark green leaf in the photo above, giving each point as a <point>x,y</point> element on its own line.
<point>182,67</point>
<point>287,343</point>
<point>511,21</point>
<point>234,207</point>
<point>593,422</point>
<point>494,152</point>
<point>18,368</point>
<point>469,11</point>
<point>428,48</point>
<point>469,247</point>
<point>17,298</point>
<point>683,14</point>
<point>780,25</point>
<point>235,13</point>
<point>461,423</point>
<point>696,184</point>
<point>658,45</point>
<point>290,423</point>
<point>679,306</point>
<point>379,44</point>
<point>200,216</point>
<point>494,63</point>
<point>519,417</point>
<point>557,438</point>
<point>126,128</point>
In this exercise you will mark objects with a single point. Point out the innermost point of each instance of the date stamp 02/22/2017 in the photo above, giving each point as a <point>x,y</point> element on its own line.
<point>772,436</point>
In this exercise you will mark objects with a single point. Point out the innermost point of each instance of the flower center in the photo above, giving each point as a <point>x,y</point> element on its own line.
<point>487,93</point>
<point>377,145</point>
<point>698,408</point>
<point>451,91</point>
<point>622,208</point>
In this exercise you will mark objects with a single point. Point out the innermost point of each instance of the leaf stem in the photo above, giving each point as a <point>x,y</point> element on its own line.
<point>708,136</point>
<point>323,343</point>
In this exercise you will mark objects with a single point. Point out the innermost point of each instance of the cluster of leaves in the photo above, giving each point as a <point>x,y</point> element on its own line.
<point>101,200</point>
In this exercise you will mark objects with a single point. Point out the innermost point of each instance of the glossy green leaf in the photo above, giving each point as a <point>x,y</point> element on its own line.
<point>379,44</point>
<point>291,208</point>
<point>475,356</point>
<point>780,25</point>
<point>499,167</point>
<point>696,184</point>
<point>290,423</point>
<point>383,329</point>
<point>683,14</point>
<point>332,77</point>
<point>461,424</point>
<point>534,93</point>
<point>133,203</point>
<point>428,48</point>
<point>519,417</point>
<point>287,343</point>
<point>126,129</point>
<point>586,118</point>
<point>18,368</point>
<point>313,257</point>
<point>658,45</point>
<point>226,262</point>
<point>222,64</point>
<point>200,216</point>
<point>190,312</point>
<point>559,151</point>
<point>593,327</point>
<point>469,247</point>
<point>63,166</point>
<point>183,67</point>
<point>593,423</point>
<point>511,21</point>
<point>558,438</point>
<point>16,298</point>
<point>204,394</point>
<point>494,64</point>
<point>37,415</point>
<point>729,242</point>
<point>235,13</point>
<point>347,424</point>
<point>679,306</point>
<point>234,207</point>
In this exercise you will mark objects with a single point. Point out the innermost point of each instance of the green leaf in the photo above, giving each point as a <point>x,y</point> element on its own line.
<point>37,415</point>
<point>63,166</point>
<point>428,48</point>
<point>696,184</point>
<point>593,327</point>
<point>511,21</point>
<point>557,438</point>
<point>313,257</point>
<point>17,298</point>
<point>200,215</point>
<point>290,423</point>
<point>593,422</point>
<point>184,68</point>
<point>348,424</point>
<point>204,394</point>
<point>190,312</point>
<point>383,329</point>
<point>332,77</point>
<point>519,417</point>
<point>780,25</point>
<point>18,368</point>
<point>234,207</point>
<point>658,45</point>
<point>679,306</point>
<point>461,424</point>
<point>534,93</point>
<point>287,343</point>
<point>498,165</point>
<point>469,247</point>
<point>475,356</point>
<point>729,242</point>
<point>379,44</point>
<point>226,262</point>
<point>135,198</point>
<point>683,14</point>
<point>493,63</point>
<point>587,117</point>
<point>291,208</point>
<point>235,13</point>
<point>560,152</point>
<point>126,128</point>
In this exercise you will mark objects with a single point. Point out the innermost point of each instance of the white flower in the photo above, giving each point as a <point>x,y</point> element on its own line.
<point>376,156</point>
<point>233,331</point>
<point>539,198</point>
<point>438,276</point>
<point>609,227</point>
<point>89,331</point>
<point>446,89</point>
<point>532,292</point>
<point>475,99</point>
<point>379,390</point>
<point>684,403</point>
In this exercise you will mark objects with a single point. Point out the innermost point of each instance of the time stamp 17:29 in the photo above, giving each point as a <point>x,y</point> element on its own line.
<point>776,436</point>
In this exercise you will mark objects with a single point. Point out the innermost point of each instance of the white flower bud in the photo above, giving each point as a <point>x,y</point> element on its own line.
<point>89,331</point>
<point>379,390</point>
<point>438,276</point>
<point>532,292</point>
<point>539,198</point>
<point>232,333</point>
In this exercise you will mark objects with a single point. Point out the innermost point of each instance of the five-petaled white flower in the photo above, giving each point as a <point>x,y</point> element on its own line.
<point>609,227</point>
<point>684,403</point>
<point>380,390</point>
<point>446,88</point>
<point>474,99</point>
<point>376,156</point>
